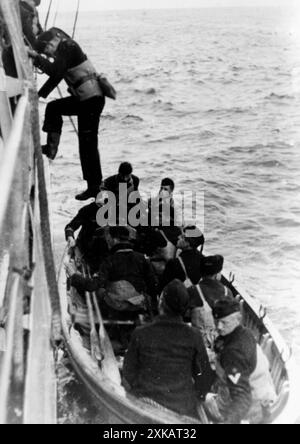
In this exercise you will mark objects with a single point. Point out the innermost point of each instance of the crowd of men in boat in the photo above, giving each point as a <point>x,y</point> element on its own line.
<point>188,345</point>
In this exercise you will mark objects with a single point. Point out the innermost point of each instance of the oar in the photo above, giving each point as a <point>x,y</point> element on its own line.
<point>109,364</point>
<point>95,346</point>
<point>94,338</point>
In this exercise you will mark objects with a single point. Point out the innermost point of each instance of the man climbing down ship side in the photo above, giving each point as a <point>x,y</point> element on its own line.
<point>87,101</point>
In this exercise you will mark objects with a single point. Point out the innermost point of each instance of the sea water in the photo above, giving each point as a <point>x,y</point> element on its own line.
<point>211,98</point>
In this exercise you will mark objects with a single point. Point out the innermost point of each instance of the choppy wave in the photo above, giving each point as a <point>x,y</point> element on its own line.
<point>132,118</point>
<point>106,116</point>
<point>148,91</point>
<point>273,96</point>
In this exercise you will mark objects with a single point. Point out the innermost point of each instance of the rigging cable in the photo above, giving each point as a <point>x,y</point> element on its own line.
<point>56,13</point>
<point>48,15</point>
<point>76,19</point>
<point>73,35</point>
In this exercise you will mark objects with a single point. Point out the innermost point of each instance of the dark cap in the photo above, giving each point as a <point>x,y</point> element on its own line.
<point>45,38</point>
<point>176,297</point>
<point>194,236</point>
<point>225,307</point>
<point>212,265</point>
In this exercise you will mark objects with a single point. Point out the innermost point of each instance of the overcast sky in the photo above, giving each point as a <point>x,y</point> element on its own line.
<point>92,5</point>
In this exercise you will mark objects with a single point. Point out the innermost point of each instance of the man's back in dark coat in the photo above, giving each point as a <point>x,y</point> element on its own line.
<point>163,361</point>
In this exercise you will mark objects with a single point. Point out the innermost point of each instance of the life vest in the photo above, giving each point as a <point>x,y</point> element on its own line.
<point>83,81</point>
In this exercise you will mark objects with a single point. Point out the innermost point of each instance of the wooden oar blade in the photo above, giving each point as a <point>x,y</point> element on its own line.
<point>109,364</point>
<point>95,347</point>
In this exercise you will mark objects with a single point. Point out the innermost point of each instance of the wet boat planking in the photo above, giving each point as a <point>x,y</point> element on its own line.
<point>126,409</point>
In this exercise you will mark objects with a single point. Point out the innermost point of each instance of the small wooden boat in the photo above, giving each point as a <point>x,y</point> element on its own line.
<point>102,377</point>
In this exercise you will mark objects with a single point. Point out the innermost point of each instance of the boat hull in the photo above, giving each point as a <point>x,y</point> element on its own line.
<point>120,408</point>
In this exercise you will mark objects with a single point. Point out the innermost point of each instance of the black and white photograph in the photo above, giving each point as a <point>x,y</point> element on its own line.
<point>149,214</point>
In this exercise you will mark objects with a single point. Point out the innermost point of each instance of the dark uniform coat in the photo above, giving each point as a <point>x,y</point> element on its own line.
<point>85,218</point>
<point>212,289</point>
<point>68,56</point>
<point>91,239</point>
<point>167,362</point>
<point>192,260</point>
<point>122,264</point>
<point>237,356</point>
<point>112,184</point>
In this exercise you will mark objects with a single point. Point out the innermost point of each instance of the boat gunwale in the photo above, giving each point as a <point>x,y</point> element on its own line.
<point>288,414</point>
<point>92,374</point>
<point>286,410</point>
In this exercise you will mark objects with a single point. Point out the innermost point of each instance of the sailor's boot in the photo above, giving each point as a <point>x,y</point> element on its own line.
<point>50,150</point>
<point>91,192</point>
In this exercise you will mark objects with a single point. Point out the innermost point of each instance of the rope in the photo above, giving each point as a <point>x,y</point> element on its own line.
<point>76,19</point>
<point>56,13</point>
<point>48,15</point>
<point>70,117</point>
<point>73,34</point>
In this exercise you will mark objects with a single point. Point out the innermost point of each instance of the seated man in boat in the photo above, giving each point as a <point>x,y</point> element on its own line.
<point>188,266</point>
<point>126,282</point>
<point>167,362</point>
<point>204,296</point>
<point>236,352</point>
<point>91,240</point>
<point>162,218</point>
<point>86,101</point>
<point>160,215</point>
<point>125,176</point>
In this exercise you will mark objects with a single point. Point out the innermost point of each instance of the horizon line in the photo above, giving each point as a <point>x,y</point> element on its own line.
<point>133,8</point>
